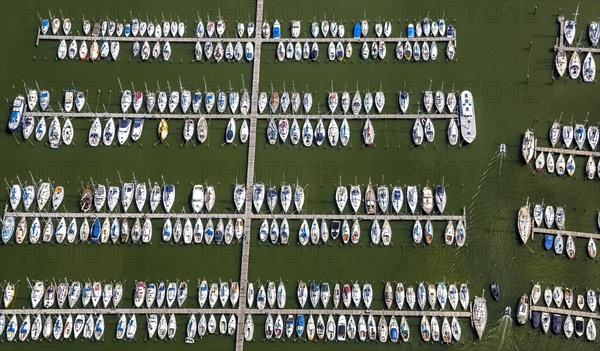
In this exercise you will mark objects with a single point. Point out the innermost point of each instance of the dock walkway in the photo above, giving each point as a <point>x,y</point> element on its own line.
<point>564,311</point>
<point>594,236</point>
<point>252,116</point>
<point>573,152</point>
<point>239,340</point>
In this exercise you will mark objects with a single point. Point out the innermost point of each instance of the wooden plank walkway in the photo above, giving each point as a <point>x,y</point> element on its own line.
<point>258,39</point>
<point>245,259</point>
<point>255,311</point>
<point>182,116</point>
<point>594,236</point>
<point>560,41</point>
<point>360,217</point>
<point>248,217</point>
<point>568,151</point>
<point>564,311</point>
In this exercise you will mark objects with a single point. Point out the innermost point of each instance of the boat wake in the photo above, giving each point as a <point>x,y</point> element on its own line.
<point>482,180</point>
<point>503,337</point>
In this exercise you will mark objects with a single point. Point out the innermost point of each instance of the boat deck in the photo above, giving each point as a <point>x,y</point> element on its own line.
<point>594,236</point>
<point>560,41</point>
<point>251,116</point>
<point>564,311</point>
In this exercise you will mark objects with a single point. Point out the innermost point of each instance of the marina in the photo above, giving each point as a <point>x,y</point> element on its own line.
<point>482,184</point>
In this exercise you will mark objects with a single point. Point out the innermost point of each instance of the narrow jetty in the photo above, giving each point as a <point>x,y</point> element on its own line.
<point>564,311</point>
<point>540,230</point>
<point>245,259</point>
<point>255,311</point>
<point>226,116</point>
<point>257,39</point>
<point>247,216</point>
<point>573,152</point>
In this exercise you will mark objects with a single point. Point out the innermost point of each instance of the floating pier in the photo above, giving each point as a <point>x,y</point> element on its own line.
<point>568,151</point>
<point>540,230</point>
<point>560,41</point>
<point>255,311</point>
<point>245,259</point>
<point>252,116</point>
<point>565,312</point>
<point>248,217</point>
<point>194,40</point>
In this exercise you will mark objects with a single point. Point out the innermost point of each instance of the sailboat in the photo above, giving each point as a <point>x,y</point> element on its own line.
<point>368,133</point>
<point>574,65</point>
<point>569,28</point>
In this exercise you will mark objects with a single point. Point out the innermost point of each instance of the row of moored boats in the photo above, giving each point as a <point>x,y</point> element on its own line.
<point>380,232</point>
<point>558,323</point>
<point>108,197</point>
<point>575,68</point>
<point>325,28</point>
<point>548,216</point>
<point>336,51</point>
<point>562,165</point>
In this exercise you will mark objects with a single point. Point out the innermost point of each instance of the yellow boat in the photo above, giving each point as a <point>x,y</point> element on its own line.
<point>163,130</point>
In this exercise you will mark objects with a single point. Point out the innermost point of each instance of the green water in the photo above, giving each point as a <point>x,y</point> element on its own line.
<point>498,43</point>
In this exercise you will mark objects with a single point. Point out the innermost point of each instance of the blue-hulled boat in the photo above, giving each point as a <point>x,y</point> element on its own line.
<point>450,31</point>
<point>557,323</point>
<point>300,325</point>
<point>96,229</point>
<point>356,32</point>
<point>276,30</point>
<point>218,238</point>
<point>548,241</point>
<point>14,121</point>
<point>536,318</point>
<point>411,30</point>
<point>45,26</point>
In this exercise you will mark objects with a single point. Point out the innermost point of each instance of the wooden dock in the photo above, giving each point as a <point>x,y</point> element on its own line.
<point>560,41</point>
<point>252,116</point>
<point>565,312</point>
<point>540,230</point>
<point>255,311</point>
<point>573,152</point>
<point>247,217</point>
<point>245,259</point>
<point>361,217</point>
<point>258,39</point>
